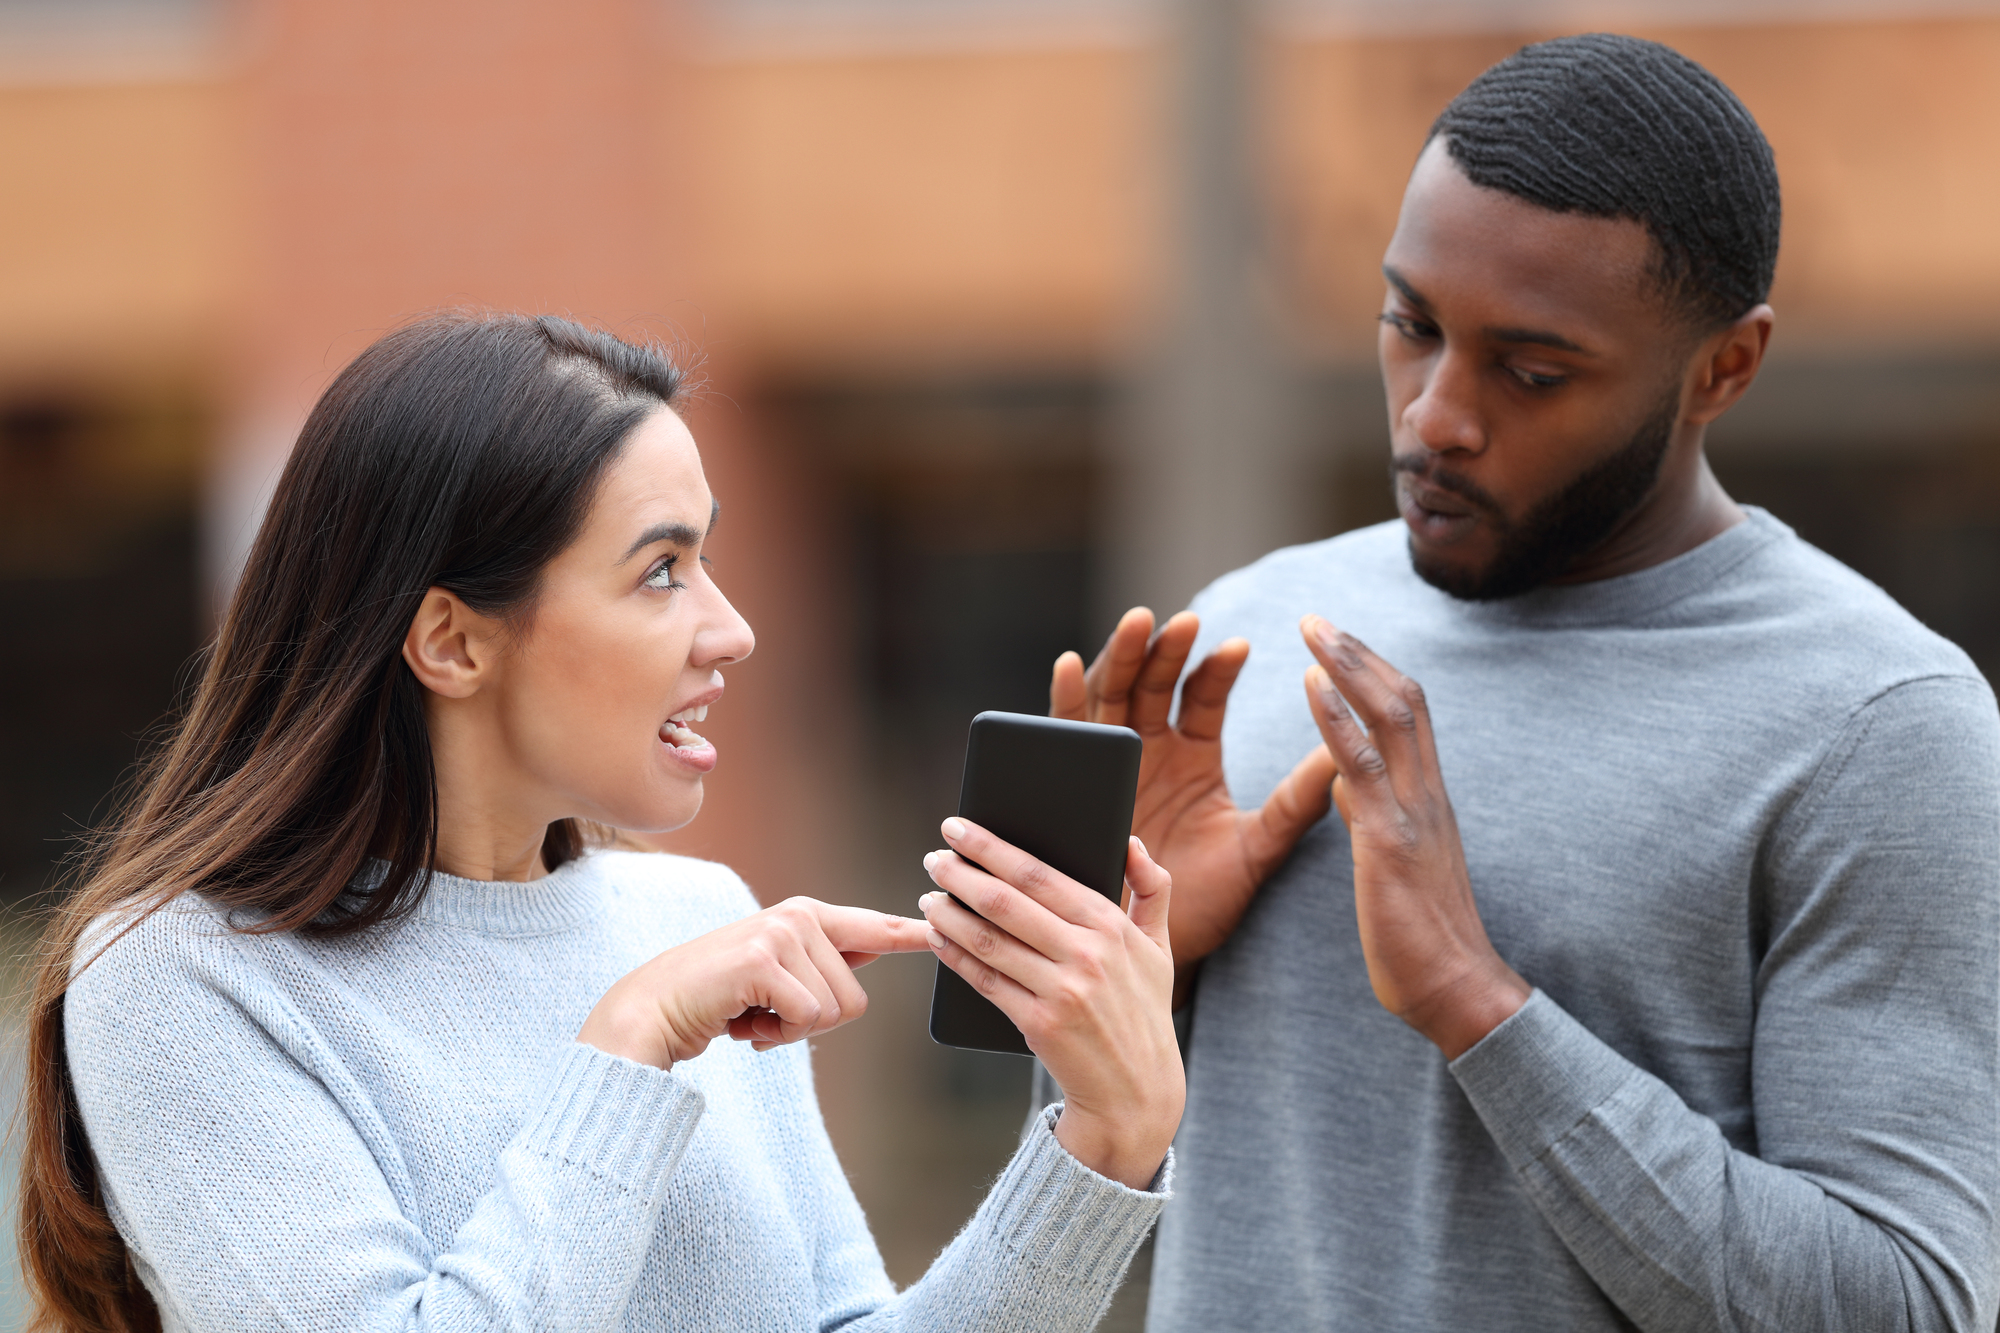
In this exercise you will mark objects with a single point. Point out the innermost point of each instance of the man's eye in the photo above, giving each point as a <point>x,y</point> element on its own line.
<point>1409,328</point>
<point>1536,380</point>
<point>663,574</point>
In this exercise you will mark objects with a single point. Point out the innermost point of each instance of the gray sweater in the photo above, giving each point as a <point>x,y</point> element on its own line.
<point>1737,819</point>
<point>396,1131</point>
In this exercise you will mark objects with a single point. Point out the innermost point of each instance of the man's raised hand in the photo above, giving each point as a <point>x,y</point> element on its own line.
<point>1429,958</point>
<point>1216,853</point>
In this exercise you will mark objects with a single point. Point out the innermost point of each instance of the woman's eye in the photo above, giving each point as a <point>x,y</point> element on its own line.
<point>663,574</point>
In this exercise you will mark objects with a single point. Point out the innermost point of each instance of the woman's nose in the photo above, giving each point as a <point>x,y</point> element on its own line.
<point>725,637</point>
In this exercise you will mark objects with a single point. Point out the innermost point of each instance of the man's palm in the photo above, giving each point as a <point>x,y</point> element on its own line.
<point>1217,854</point>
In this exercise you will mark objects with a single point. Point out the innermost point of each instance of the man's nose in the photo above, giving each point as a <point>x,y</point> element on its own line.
<point>1445,416</point>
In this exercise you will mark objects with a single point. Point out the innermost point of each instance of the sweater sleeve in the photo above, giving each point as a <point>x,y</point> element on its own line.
<point>1044,1253</point>
<point>1869,1203</point>
<point>251,1198</point>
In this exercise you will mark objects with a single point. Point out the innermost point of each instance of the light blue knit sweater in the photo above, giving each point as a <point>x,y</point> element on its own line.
<point>398,1131</point>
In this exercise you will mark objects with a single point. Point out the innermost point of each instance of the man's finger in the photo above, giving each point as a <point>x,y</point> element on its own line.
<point>1153,687</point>
<point>1299,802</point>
<point>1205,696</point>
<point>1066,689</point>
<point>1389,704</point>
<point>1360,764</point>
<point>1108,683</point>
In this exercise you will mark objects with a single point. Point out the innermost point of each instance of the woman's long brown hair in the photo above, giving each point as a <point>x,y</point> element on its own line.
<point>461,452</point>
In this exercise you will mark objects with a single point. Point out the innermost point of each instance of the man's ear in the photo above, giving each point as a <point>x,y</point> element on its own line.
<point>1729,361</point>
<point>450,647</point>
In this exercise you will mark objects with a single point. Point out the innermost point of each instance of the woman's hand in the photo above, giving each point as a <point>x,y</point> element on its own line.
<point>1089,986</point>
<point>781,975</point>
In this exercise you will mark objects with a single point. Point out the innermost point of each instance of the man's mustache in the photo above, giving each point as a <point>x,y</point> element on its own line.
<point>1429,471</point>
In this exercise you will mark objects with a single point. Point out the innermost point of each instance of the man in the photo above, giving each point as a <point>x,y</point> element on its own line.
<point>1649,975</point>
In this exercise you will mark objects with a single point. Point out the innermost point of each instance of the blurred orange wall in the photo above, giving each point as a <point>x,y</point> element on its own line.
<point>797,211</point>
<point>1885,133</point>
<point>119,246</point>
<point>494,152</point>
<point>808,217</point>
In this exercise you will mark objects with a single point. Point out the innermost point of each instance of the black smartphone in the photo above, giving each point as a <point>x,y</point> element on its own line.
<point>1060,791</point>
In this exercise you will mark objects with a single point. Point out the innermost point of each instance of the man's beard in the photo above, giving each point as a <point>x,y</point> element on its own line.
<point>1555,534</point>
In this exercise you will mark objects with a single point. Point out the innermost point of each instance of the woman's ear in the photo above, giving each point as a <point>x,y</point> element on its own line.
<point>450,647</point>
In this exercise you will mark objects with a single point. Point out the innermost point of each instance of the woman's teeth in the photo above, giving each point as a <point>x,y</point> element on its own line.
<point>676,731</point>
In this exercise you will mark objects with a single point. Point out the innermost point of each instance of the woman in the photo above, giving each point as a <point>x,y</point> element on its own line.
<point>351,1027</point>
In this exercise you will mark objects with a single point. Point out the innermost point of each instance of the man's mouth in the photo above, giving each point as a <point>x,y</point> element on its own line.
<point>1432,513</point>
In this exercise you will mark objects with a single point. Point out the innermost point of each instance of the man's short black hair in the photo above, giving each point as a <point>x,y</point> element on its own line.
<point>1617,127</point>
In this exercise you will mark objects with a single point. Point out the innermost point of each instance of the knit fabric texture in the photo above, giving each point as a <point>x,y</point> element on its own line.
<point>397,1130</point>
<point>1737,818</point>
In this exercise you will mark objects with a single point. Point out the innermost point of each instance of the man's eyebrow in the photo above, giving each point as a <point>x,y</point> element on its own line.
<point>680,534</point>
<point>1539,337</point>
<point>1402,284</point>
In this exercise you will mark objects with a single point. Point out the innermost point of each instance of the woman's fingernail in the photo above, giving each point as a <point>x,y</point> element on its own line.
<point>1327,634</point>
<point>1142,846</point>
<point>954,828</point>
<point>924,903</point>
<point>937,941</point>
<point>930,860</point>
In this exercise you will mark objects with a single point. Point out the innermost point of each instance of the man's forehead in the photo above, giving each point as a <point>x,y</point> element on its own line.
<point>1457,241</point>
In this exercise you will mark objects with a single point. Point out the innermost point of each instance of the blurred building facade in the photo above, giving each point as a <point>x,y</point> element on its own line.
<point>1008,314</point>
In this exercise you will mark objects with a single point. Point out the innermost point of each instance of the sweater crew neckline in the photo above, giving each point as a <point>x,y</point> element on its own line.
<point>1643,592</point>
<point>566,896</point>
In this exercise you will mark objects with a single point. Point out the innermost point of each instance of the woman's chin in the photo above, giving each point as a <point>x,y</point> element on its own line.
<point>668,815</point>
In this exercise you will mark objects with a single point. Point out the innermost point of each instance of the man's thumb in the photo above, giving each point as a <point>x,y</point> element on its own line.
<point>1300,801</point>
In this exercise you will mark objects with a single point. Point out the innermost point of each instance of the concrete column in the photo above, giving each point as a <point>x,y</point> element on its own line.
<point>1205,472</point>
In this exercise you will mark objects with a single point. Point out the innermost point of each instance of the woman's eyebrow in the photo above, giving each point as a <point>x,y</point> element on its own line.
<point>680,534</point>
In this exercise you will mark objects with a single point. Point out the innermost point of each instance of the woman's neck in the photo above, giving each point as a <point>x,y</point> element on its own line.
<point>469,855</point>
<point>488,827</point>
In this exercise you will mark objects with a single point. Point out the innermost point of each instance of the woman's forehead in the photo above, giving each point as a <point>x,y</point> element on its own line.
<point>655,482</point>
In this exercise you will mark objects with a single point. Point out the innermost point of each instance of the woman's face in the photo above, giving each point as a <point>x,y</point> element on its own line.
<point>600,701</point>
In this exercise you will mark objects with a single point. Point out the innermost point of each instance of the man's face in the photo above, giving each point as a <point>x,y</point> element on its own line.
<point>1533,376</point>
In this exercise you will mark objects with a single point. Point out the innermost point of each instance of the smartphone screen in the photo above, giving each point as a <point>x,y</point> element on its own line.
<point>1060,791</point>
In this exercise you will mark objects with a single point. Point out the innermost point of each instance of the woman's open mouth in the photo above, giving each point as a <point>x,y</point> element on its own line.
<point>688,746</point>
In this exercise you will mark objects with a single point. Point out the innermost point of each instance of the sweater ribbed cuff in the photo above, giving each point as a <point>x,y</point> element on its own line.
<point>624,1122</point>
<point>1061,1215</point>
<point>1536,1077</point>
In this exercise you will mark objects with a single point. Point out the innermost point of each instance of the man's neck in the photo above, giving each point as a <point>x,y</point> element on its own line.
<point>1687,508</point>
